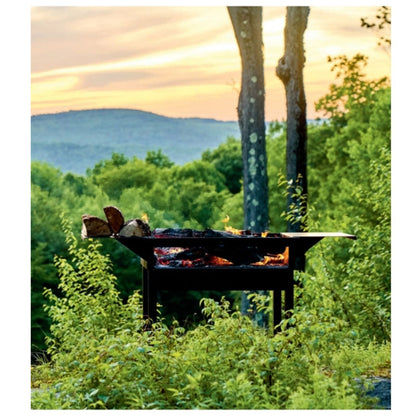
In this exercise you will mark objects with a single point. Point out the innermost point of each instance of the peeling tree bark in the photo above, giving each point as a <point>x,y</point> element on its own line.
<point>247,25</point>
<point>290,71</point>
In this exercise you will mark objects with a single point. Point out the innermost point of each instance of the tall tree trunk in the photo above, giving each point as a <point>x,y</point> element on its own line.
<point>290,71</point>
<point>247,25</point>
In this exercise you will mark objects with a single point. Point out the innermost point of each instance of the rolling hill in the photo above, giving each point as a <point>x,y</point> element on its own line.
<point>76,140</point>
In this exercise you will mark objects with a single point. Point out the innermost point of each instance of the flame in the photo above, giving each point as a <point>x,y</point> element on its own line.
<point>230,229</point>
<point>233,230</point>
<point>211,260</point>
<point>226,219</point>
<point>274,259</point>
<point>145,217</point>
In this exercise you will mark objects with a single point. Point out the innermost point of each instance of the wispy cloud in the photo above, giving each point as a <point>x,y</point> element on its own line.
<point>107,56</point>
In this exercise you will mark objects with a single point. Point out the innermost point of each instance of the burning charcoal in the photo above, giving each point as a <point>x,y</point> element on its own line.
<point>166,254</point>
<point>212,233</point>
<point>190,254</point>
<point>210,260</point>
<point>172,232</point>
<point>199,263</point>
<point>158,231</point>
<point>247,232</point>
<point>246,255</point>
<point>199,234</point>
<point>184,232</point>
<point>173,263</point>
<point>173,254</point>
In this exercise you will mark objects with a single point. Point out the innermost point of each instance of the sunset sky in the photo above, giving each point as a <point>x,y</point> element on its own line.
<point>179,61</point>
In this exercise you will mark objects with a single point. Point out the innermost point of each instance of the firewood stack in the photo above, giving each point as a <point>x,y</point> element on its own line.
<point>93,226</point>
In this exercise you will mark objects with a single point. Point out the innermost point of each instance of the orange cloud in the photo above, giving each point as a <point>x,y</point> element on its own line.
<point>178,61</point>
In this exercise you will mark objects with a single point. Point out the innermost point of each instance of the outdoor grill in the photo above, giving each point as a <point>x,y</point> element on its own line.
<point>249,277</point>
<point>183,264</point>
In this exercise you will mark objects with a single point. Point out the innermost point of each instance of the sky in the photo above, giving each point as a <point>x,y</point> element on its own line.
<point>180,61</point>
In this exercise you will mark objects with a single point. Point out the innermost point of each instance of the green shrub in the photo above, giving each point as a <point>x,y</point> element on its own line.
<point>103,358</point>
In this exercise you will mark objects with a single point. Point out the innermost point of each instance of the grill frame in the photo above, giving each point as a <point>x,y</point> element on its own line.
<point>279,279</point>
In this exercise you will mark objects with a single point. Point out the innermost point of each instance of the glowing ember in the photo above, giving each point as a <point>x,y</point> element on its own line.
<point>183,257</point>
<point>197,257</point>
<point>218,261</point>
<point>200,256</point>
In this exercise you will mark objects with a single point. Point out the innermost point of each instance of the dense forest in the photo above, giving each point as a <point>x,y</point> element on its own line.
<point>340,329</point>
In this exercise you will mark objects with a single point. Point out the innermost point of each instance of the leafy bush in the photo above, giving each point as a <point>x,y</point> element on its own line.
<point>102,357</point>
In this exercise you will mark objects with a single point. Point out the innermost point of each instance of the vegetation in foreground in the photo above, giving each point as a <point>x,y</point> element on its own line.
<point>103,358</point>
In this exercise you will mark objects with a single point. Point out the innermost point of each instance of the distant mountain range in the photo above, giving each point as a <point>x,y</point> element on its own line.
<point>76,140</point>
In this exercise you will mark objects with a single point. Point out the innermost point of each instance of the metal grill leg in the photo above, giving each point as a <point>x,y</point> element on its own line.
<point>277,302</point>
<point>277,309</point>
<point>149,295</point>
<point>152,296</point>
<point>289,300</point>
<point>145,293</point>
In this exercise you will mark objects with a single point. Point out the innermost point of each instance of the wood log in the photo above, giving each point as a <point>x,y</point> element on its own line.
<point>135,228</point>
<point>94,227</point>
<point>115,218</point>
